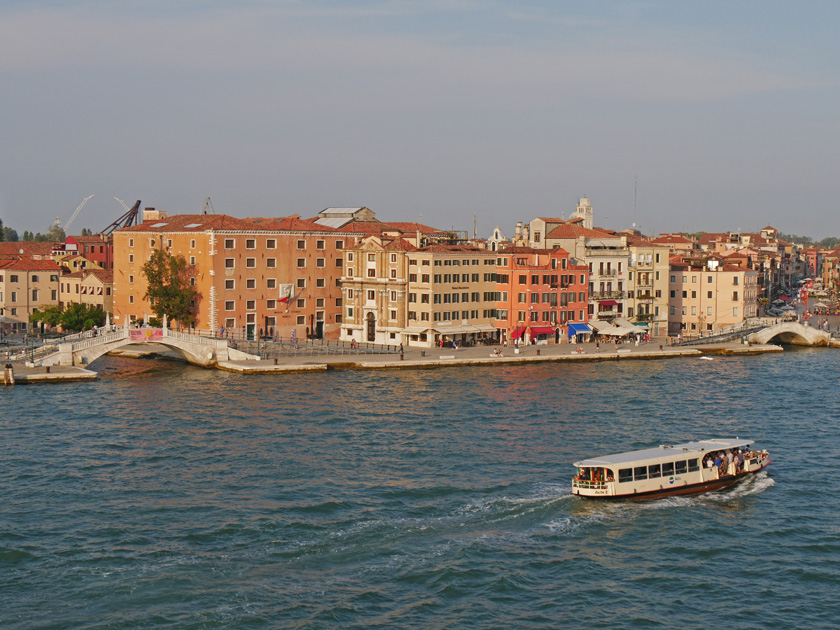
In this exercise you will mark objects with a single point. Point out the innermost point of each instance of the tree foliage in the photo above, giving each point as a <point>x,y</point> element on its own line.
<point>72,319</point>
<point>169,289</point>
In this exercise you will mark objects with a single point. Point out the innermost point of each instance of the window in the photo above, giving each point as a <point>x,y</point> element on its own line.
<point>192,244</point>
<point>192,260</point>
<point>301,244</point>
<point>301,320</point>
<point>349,256</point>
<point>131,242</point>
<point>230,305</point>
<point>230,243</point>
<point>693,465</point>
<point>680,468</point>
<point>271,243</point>
<point>734,296</point>
<point>250,243</point>
<point>301,283</point>
<point>230,323</point>
<point>320,245</point>
<point>271,283</point>
<point>301,263</point>
<point>130,300</point>
<point>654,471</point>
<point>250,263</point>
<point>320,283</point>
<point>735,280</point>
<point>251,305</point>
<point>251,283</point>
<point>394,275</point>
<point>131,258</point>
<point>229,263</point>
<point>371,273</point>
<point>339,244</point>
<point>130,281</point>
<point>320,262</point>
<point>667,469</point>
<point>271,263</point>
<point>625,475</point>
<point>192,282</point>
<point>152,243</point>
<point>640,473</point>
<point>301,303</point>
<point>319,303</point>
<point>34,295</point>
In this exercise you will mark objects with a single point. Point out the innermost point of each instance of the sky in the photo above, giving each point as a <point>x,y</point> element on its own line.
<point>671,115</point>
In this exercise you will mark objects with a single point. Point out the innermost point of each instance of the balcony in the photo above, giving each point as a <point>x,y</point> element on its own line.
<point>606,295</point>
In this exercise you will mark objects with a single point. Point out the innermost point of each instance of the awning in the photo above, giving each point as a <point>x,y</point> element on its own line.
<point>542,330</point>
<point>607,303</point>
<point>600,326</point>
<point>624,323</point>
<point>579,329</point>
<point>641,325</point>
<point>517,332</point>
<point>617,332</point>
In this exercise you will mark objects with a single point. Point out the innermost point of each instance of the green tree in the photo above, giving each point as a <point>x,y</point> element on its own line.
<point>169,289</point>
<point>55,233</point>
<point>78,316</point>
<point>10,235</point>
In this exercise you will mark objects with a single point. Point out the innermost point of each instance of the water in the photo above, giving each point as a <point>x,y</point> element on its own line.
<point>167,496</point>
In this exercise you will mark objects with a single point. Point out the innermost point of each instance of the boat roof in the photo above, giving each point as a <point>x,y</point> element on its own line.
<point>665,452</point>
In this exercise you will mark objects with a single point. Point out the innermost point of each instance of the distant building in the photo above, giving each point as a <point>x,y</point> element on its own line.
<point>540,292</point>
<point>707,296</point>
<point>26,284</point>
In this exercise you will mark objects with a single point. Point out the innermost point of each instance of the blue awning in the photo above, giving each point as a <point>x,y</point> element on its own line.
<point>579,329</point>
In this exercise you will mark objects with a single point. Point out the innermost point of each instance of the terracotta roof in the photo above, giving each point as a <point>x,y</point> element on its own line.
<point>106,277</point>
<point>377,227</point>
<point>30,248</point>
<point>674,238</point>
<point>91,238</point>
<point>191,223</point>
<point>453,249</point>
<point>573,230</point>
<point>30,264</point>
<point>288,224</point>
<point>399,245</point>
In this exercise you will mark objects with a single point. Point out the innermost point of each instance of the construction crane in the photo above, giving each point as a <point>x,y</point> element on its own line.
<point>126,220</point>
<point>66,226</point>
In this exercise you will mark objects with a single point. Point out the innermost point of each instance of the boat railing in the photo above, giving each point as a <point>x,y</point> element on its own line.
<point>589,485</point>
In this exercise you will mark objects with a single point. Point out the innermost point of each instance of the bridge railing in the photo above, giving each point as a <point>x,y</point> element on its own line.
<point>99,340</point>
<point>199,339</point>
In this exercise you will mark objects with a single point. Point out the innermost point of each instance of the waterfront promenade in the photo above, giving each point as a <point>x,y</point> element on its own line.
<point>418,358</point>
<point>428,358</point>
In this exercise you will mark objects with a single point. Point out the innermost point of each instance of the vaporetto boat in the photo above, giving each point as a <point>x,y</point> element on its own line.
<point>651,473</point>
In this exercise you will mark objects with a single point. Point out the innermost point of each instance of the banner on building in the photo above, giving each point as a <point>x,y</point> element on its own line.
<point>286,292</point>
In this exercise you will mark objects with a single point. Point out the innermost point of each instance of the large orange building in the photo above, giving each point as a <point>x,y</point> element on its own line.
<point>277,277</point>
<point>540,293</point>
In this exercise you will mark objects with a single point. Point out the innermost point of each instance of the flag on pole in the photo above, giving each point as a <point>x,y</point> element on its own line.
<point>286,292</point>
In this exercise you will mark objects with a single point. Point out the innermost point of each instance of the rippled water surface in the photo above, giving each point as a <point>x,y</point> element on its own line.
<point>167,496</point>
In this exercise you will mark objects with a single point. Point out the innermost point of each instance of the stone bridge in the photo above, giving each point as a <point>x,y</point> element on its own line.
<point>792,333</point>
<point>195,349</point>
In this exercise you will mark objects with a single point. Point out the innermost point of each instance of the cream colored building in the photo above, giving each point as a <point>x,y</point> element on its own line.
<point>94,287</point>
<point>706,298</point>
<point>451,295</point>
<point>374,287</point>
<point>647,286</point>
<point>25,285</point>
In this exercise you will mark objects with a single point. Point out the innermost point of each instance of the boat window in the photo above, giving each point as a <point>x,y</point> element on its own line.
<point>680,467</point>
<point>625,475</point>
<point>667,469</point>
<point>640,473</point>
<point>693,465</point>
<point>654,471</point>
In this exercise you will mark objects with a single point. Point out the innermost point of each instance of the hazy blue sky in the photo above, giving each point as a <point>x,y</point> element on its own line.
<point>726,112</point>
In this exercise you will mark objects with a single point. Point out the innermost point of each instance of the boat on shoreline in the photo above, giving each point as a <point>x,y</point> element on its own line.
<point>652,473</point>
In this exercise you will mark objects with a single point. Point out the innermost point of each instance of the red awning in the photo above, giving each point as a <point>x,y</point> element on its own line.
<point>517,332</point>
<point>608,303</point>
<point>542,330</point>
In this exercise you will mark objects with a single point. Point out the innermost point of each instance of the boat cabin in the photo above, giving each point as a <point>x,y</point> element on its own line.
<point>680,469</point>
